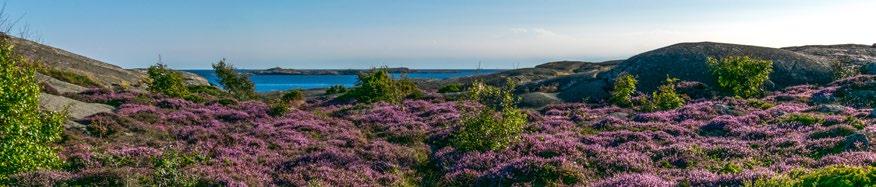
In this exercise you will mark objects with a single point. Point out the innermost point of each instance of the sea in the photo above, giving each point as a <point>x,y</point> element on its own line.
<point>269,83</point>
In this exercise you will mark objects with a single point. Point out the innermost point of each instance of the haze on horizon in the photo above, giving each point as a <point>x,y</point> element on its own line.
<point>425,34</point>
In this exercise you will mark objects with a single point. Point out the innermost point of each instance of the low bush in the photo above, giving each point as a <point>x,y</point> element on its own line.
<point>493,97</point>
<point>26,133</point>
<point>68,77</point>
<point>665,97</point>
<point>802,118</point>
<point>166,81</point>
<point>623,90</point>
<point>235,83</point>
<point>740,76</point>
<point>294,95</point>
<point>489,130</point>
<point>840,176</point>
<point>378,85</point>
<point>336,89</point>
<point>278,108</point>
<point>450,88</point>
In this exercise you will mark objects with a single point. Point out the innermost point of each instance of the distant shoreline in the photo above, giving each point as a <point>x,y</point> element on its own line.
<point>281,71</point>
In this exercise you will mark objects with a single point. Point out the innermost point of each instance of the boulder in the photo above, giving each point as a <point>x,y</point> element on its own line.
<point>59,86</point>
<point>586,90</point>
<point>869,68</point>
<point>538,99</point>
<point>873,113</point>
<point>76,109</point>
<point>856,142</point>
<point>687,61</point>
<point>830,108</point>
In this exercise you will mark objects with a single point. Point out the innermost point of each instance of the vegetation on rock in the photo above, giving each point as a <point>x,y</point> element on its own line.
<point>166,81</point>
<point>623,89</point>
<point>665,97</point>
<point>378,85</point>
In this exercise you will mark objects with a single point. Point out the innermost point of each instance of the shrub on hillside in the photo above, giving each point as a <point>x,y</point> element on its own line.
<point>67,76</point>
<point>623,90</point>
<point>843,69</point>
<point>493,97</point>
<point>802,118</point>
<point>235,83</point>
<point>26,133</point>
<point>294,95</point>
<point>450,88</point>
<point>336,89</point>
<point>166,81</point>
<point>378,85</point>
<point>740,76</point>
<point>665,97</point>
<point>827,176</point>
<point>489,130</point>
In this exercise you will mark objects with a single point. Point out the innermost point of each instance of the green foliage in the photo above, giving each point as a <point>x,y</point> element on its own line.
<point>166,81</point>
<point>623,90</point>
<point>760,103</point>
<point>69,77</point>
<point>336,89</point>
<point>378,85</point>
<point>741,76</point>
<point>450,88</point>
<point>839,176</point>
<point>235,83</point>
<point>294,95</point>
<point>843,69</point>
<point>493,97</point>
<point>489,130</point>
<point>278,108</point>
<point>168,169</point>
<point>26,134</point>
<point>665,97</point>
<point>802,118</point>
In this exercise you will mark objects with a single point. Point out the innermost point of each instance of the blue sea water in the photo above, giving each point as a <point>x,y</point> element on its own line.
<point>267,83</point>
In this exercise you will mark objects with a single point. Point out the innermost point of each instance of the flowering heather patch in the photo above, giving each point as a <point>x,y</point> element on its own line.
<point>707,142</point>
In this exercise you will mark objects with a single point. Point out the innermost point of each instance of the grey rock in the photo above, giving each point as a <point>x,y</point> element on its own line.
<point>830,108</point>
<point>723,109</point>
<point>869,69</point>
<point>76,109</point>
<point>58,85</point>
<point>538,99</point>
<point>687,61</point>
<point>856,142</point>
<point>585,90</point>
<point>822,98</point>
<point>620,115</point>
<point>873,113</point>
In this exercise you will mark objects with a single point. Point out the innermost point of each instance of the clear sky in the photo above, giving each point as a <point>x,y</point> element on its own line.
<point>426,34</point>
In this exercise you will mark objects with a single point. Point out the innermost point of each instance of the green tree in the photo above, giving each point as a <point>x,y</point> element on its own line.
<point>236,83</point>
<point>493,97</point>
<point>623,90</point>
<point>26,133</point>
<point>489,130</point>
<point>741,76</point>
<point>166,81</point>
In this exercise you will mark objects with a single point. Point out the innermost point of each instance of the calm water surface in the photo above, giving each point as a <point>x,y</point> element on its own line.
<point>266,83</point>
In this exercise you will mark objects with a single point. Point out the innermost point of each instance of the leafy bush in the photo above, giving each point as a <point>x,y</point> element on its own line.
<point>838,175</point>
<point>166,81</point>
<point>294,95</point>
<point>843,69</point>
<point>760,103</point>
<point>740,76</point>
<point>665,98</point>
<point>237,84</point>
<point>168,169</point>
<point>26,134</point>
<point>489,130</point>
<point>495,98</point>
<point>453,87</point>
<point>378,85</point>
<point>336,89</point>
<point>623,90</point>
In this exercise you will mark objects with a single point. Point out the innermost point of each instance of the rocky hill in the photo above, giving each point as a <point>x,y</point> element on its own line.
<point>852,53</point>
<point>527,75</point>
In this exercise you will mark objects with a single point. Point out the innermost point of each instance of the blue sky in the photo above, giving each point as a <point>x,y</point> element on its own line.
<point>425,34</point>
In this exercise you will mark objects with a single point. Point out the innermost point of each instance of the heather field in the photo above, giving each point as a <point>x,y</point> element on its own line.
<point>151,139</point>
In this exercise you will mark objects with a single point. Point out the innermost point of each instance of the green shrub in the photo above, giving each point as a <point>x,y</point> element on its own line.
<point>665,97</point>
<point>843,69</point>
<point>378,85</point>
<point>235,83</point>
<point>166,81</point>
<point>838,176</point>
<point>489,130</point>
<point>761,104</point>
<point>740,76</point>
<point>169,169</point>
<point>802,118</point>
<point>26,134</point>
<point>336,89</point>
<point>450,88</point>
<point>623,90</point>
<point>493,97</point>
<point>278,108</point>
<point>294,95</point>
